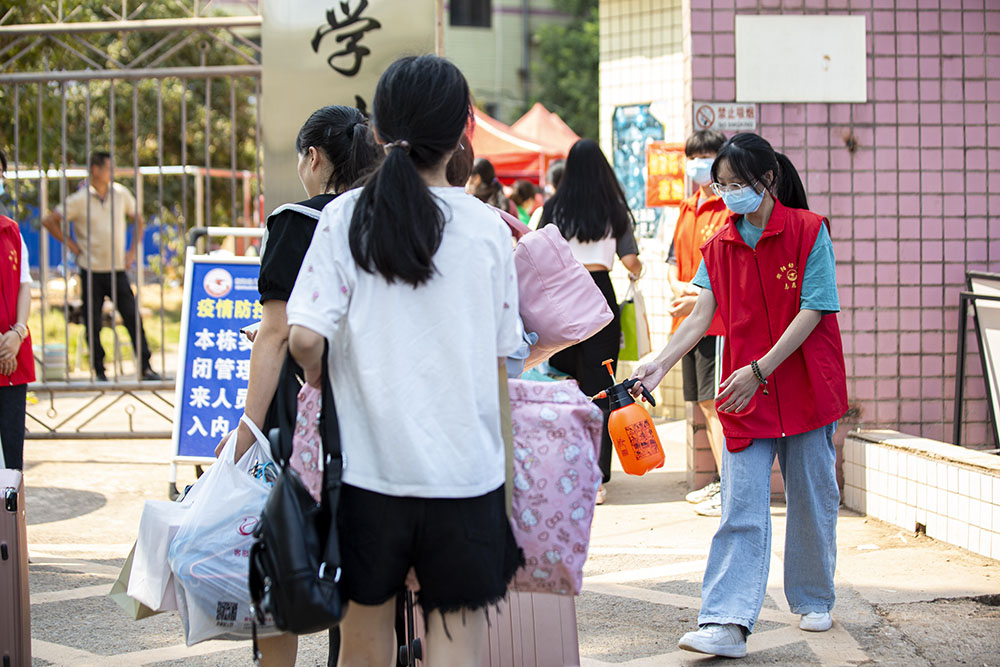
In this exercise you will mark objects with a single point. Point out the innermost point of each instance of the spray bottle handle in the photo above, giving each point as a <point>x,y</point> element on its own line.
<point>628,384</point>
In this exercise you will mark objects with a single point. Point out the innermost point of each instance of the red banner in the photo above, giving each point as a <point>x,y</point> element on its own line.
<point>664,173</point>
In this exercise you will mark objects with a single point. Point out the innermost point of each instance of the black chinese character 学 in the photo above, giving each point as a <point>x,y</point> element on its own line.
<point>356,26</point>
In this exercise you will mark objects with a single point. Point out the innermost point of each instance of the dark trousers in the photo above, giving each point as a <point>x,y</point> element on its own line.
<point>12,404</point>
<point>93,301</point>
<point>583,362</point>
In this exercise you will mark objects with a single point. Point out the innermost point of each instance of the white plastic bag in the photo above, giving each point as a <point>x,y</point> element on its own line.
<point>151,581</point>
<point>209,556</point>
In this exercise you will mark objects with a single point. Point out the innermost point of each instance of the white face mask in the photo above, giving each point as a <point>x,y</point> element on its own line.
<point>699,170</point>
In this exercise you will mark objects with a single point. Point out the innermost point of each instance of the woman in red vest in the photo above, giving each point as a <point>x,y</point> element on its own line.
<point>17,366</point>
<point>770,274</point>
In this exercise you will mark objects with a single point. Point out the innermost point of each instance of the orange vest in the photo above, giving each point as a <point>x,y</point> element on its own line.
<point>695,225</point>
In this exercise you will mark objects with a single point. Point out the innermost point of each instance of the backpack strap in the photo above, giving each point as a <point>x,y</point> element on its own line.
<point>307,211</point>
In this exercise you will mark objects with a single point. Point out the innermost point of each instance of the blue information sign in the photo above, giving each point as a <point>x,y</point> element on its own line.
<point>220,297</point>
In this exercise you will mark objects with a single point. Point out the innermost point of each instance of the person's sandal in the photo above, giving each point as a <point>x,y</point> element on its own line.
<point>602,495</point>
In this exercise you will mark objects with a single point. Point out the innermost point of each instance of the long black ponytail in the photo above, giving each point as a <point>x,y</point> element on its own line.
<point>420,110</point>
<point>343,135</point>
<point>750,157</point>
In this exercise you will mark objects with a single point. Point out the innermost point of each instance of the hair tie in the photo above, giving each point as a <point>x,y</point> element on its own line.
<point>399,143</point>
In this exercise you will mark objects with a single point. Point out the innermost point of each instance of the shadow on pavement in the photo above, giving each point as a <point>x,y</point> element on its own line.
<point>46,504</point>
<point>654,487</point>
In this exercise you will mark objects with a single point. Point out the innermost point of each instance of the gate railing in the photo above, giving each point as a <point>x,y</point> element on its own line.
<point>167,96</point>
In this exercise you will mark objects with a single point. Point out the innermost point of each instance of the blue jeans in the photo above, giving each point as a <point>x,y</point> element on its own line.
<point>738,563</point>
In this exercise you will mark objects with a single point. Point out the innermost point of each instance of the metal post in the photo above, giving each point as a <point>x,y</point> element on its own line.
<point>963,326</point>
<point>64,192</point>
<point>93,328</point>
<point>137,235</point>
<point>159,210</point>
<point>111,198</point>
<point>43,235</point>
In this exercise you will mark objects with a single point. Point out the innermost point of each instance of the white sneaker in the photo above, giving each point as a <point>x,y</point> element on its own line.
<point>816,621</point>
<point>714,639</point>
<point>703,494</point>
<point>710,507</point>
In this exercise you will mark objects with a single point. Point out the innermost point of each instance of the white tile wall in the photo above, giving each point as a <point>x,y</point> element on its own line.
<point>957,499</point>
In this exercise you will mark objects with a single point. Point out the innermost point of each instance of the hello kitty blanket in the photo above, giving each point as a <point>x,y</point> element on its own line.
<point>557,437</point>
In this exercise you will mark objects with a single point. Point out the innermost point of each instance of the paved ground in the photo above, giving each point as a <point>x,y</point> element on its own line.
<point>902,600</point>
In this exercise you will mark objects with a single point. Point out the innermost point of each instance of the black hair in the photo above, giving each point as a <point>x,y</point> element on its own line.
<point>98,159</point>
<point>3,161</point>
<point>750,157</point>
<point>488,183</point>
<point>421,109</point>
<point>460,165</point>
<point>555,173</point>
<point>589,204</point>
<point>523,191</point>
<point>343,136</point>
<point>704,141</point>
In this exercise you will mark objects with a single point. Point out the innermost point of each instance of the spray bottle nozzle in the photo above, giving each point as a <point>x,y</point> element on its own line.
<point>628,384</point>
<point>620,393</point>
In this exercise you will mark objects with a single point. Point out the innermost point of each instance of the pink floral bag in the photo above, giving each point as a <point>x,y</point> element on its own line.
<point>557,438</point>
<point>306,441</point>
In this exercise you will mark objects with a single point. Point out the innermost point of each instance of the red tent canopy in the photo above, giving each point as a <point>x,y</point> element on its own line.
<point>513,156</point>
<point>545,127</point>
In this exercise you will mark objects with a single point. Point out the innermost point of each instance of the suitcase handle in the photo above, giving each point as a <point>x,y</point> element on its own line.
<point>10,499</point>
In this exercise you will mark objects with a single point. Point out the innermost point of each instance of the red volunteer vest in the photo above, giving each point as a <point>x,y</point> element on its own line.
<point>758,292</point>
<point>694,227</point>
<point>10,283</point>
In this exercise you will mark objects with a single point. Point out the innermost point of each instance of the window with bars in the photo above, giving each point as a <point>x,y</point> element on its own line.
<point>471,13</point>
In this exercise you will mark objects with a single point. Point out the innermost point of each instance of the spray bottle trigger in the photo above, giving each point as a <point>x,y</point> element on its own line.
<point>628,384</point>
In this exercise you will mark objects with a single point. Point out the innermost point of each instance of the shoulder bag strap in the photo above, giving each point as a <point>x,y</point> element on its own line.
<point>298,208</point>
<point>287,397</point>
<point>507,430</point>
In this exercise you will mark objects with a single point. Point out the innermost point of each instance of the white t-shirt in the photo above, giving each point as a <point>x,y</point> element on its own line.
<point>25,268</point>
<point>414,370</point>
<point>97,238</point>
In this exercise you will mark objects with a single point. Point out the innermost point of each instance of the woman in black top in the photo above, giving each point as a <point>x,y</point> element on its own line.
<point>590,210</point>
<point>335,149</point>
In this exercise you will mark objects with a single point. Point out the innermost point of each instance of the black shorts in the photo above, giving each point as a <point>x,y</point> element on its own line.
<point>698,368</point>
<point>462,549</point>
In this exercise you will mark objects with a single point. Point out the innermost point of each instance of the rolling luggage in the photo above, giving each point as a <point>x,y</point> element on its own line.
<point>533,630</point>
<point>15,607</point>
<point>525,630</point>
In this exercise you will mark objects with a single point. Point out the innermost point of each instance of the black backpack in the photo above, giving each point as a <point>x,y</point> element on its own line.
<point>295,558</point>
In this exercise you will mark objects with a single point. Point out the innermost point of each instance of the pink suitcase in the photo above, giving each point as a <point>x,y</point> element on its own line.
<point>525,630</point>
<point>15,607</point>
<point>533,630</point>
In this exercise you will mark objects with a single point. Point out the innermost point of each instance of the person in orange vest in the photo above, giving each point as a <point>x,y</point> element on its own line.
<point>770,274</point>
<point>701,215</point>
<point>17,366</point>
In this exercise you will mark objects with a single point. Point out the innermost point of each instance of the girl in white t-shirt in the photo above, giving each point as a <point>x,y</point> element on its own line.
<point>412,284</point>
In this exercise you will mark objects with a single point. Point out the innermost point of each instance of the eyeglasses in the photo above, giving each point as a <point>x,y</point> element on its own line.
<point>731,188</point>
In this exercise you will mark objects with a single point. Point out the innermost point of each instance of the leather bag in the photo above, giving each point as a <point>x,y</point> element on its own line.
<point>295,558</point>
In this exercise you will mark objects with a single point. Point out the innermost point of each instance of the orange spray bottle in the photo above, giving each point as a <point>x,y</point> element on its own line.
<point>632,430</point>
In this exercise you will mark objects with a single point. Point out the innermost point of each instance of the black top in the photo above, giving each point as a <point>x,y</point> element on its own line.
<point>289,236</point>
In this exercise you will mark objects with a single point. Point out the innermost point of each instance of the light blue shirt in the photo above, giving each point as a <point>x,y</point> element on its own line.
<point>819,280</point>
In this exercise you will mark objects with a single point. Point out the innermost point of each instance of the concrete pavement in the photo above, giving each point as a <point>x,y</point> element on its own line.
<point>901,599</point>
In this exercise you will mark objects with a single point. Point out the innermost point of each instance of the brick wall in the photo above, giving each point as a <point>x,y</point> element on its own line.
<point>913,207</point>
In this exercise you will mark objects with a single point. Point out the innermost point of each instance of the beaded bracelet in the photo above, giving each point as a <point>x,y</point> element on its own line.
<point>760,377</point>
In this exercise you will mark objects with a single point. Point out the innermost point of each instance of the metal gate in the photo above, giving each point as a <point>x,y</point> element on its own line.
<point>170,91</point>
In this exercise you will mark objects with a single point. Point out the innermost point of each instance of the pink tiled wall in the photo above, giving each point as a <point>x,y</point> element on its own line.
<point>913,207</point>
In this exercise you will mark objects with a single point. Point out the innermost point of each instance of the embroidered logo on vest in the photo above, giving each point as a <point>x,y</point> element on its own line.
<point>790,274</point>
<point>13,259</point>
